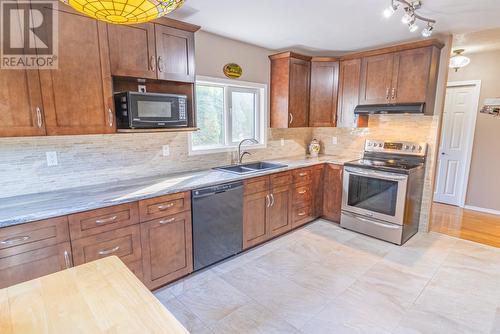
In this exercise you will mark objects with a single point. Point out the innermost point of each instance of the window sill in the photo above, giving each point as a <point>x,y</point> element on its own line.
<point>225,149</point>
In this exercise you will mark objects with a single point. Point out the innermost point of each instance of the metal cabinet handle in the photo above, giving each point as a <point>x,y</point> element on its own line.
<point>164,207</point>
<point>301,214</point>
<point>106,220</point>
<point>302,192</point>
<point>67,260</point>
<point>393,94</point>
<point>152,63</point>
<point>14,240</point>
<point>291,118</point>
<point>160,64</point>
<point>268,201</point>
<point>109,251</point>
<point>303,174</point>
<point>272,200</point>
<point>39,120</point>
<point>387,93</point>
<point>110,117</point>
<point>167,221</point>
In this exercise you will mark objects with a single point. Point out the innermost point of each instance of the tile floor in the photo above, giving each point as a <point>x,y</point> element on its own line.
<point>324,279</point>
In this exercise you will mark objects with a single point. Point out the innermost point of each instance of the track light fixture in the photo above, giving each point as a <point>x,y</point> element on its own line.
<point>410,17</point>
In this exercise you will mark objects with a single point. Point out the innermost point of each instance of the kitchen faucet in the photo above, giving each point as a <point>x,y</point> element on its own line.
<point>240,154</point>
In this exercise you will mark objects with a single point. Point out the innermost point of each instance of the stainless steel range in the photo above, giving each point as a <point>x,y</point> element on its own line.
<point>382,193</point>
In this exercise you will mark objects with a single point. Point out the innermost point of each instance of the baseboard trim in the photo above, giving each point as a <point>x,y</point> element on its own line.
<point>485,210</point>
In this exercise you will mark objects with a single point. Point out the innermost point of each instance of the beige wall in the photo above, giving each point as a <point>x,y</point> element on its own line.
<point>483,190</point>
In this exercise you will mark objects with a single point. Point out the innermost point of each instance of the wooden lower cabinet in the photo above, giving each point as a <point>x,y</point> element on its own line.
<point>167,249</point>
<point>317,190</point>
<point>32,264</point>
<point>279,211</point>
<point>255,221</point>
<point>332,188</point>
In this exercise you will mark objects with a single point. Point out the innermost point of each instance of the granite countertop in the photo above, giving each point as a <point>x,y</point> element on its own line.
<point>27,208</point>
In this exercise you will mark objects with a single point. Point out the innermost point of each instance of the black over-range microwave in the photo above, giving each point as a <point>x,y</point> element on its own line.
<point>136,110</point>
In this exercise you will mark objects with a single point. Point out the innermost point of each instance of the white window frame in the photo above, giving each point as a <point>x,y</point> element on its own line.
<point>261,120</point>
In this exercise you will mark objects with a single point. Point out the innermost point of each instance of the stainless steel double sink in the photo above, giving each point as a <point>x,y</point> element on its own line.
<point>250,168</point>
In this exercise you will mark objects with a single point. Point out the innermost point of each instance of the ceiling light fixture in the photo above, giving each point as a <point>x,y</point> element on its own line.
<point>125,11</point>
<point>410,17</point>
<point>458,61</point>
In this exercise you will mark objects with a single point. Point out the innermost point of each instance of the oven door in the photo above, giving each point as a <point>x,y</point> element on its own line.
<point>375,194</point>
<point>150,110</point>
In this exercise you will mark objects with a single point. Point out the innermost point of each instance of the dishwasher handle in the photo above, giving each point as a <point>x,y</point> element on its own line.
<point>218,189</point>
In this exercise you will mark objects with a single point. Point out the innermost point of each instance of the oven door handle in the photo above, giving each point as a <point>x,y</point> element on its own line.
<point>386,225</point>
<point>387,176</point>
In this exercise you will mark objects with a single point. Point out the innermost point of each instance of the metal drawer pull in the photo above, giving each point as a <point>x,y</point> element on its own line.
<point>109,251</point>
<point>165,206</point>
<point>291,118</point>
<point>14,240</point>
<point>272,200</point>
<point>67,260</point>
<point>302,214</point>
<point>106,221</point>
<point>302,192</point>
<point>163,222</point>
<point>303,174</point>
<point>110,117</point>
<point>152,63</point>
<point>387,93</point>
<point>39,120</point>
<point>160,64</point>
<point>393,95</point>
<point>268,201</point>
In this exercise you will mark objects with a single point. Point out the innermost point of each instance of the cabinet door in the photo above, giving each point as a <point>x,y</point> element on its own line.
<point>324,83</point>
<point>332,192</point>
<point>349,84</point>
<point>376,79</point>
<point>167,249</point>
<point>317,191</point>
<point>411,75</point>
<point>279,211</point>
<point>298,108</point>
<point>255,223</point>
<point>36,263</point>
<point>132,50</point>
<point>77,96</point>
<point>175,54</point>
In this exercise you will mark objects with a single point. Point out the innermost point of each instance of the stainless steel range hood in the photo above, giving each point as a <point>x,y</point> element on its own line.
<point>406,108</point>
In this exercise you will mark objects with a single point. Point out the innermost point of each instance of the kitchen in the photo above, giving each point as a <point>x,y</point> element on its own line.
<point>136,188</point>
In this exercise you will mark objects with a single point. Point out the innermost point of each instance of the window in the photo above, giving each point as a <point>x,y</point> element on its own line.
<point>227,112</point>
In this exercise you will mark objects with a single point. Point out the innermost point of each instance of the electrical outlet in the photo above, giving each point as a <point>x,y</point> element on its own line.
<point>166,150</point>
<point>334,141</point>
<point>282,141</point>
<point>51,159</point>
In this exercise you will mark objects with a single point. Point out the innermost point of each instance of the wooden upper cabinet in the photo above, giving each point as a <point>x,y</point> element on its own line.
<point>290,89</point>
<point>324,89</point>
<point>175,54</point>
<point>349,84</point>
<point>376,79</point>
<point>77,96</point>
<point>132,50</point>
<point>21,107</point>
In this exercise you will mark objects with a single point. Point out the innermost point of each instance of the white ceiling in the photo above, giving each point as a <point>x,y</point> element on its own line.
<point>330,25</point>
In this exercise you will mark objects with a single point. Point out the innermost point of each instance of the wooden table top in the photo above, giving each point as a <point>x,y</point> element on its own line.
<point>103,296</point>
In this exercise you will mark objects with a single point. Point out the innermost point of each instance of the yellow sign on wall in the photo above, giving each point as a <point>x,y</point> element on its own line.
<point>233,71</point>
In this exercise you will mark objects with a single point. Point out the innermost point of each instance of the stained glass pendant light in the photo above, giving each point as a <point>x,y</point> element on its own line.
<point>125,11</point>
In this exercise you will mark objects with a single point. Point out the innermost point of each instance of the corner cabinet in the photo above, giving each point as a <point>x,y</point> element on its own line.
<point>349,82</point>
<point>332,192</point>
<point>324,92</point>
<point>290,89</point>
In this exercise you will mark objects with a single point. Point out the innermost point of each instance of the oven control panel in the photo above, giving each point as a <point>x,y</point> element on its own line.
<point>408,148</point>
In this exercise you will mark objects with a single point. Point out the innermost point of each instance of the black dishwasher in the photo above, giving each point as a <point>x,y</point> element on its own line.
<point>217,223</point>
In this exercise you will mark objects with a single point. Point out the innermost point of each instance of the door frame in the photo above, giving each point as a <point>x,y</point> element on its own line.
<point>470,144</point>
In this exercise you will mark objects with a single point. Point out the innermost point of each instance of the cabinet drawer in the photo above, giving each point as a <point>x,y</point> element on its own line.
<point>32,264</point>
<point>302,176</point>
<point>256,185</point>
<point>103,220</point>
<point>124,243</point>
<point>281,179</point>
<point>301,216</point>
<point>302,195</point>
<point>163,206</point>
<point>22,238</point>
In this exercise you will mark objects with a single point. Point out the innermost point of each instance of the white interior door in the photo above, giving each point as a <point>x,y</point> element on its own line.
<point>457,136</point>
